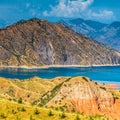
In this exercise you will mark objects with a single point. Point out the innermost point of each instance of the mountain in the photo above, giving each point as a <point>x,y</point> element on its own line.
<point>81,95</point>
<point>38,42</point>
<point>108,34</point>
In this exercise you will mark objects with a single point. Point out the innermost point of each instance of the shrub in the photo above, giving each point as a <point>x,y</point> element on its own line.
<point>85,79</point>
<point>77,117</point>
<point>36,112</point>
<point>23,109</point>
<point>63,115</point>
<point>2,115</point>
<point>50,113</point>
<point>20,100</point>
<point>13,111</point>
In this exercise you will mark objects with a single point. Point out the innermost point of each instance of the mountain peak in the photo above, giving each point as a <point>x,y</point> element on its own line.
<point>38,42</point>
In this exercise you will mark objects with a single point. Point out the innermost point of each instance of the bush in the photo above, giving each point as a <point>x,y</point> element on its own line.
<point>20,100</point>
<point>50,113</point>
<point>63,115</point>
<point>2,115</point>
<point>36,112</point>
<point>77,117</point>
<point>23,109</point>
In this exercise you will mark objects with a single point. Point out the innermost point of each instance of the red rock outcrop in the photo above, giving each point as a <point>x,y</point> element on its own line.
<point>86,96</point>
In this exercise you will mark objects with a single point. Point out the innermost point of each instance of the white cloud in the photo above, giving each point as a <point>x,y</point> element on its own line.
<point>68,8</point>
<point>78,8</point>
<point>101,14</point>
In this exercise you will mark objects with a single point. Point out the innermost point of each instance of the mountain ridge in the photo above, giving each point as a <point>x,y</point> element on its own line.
<point>105,33</point>
<point>39,42</point>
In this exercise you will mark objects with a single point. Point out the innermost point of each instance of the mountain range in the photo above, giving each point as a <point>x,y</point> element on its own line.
<point>38,42</point>
<point>108,34</point>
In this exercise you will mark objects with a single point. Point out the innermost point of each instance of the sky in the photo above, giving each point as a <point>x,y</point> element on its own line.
<point>105,11</point>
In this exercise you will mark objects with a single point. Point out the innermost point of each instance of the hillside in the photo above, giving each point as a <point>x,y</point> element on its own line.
<point>71,95</point>
<point>38,42</point>
<point>84,96</point>
<point>32,88</point>
<point>10,110</point>
<point>108,34</point>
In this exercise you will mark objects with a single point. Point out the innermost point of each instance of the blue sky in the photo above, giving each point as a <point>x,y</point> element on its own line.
<point>54,10</point>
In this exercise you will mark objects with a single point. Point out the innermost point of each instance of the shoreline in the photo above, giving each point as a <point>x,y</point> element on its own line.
<point>58,66</point>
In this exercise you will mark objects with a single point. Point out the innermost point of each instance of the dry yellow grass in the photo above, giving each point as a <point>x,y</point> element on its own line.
<point>10,110</point>
<point>29,90</point>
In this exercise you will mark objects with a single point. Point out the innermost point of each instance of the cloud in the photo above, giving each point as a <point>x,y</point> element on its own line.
<point>68,8</point>
<point>101,14</point>
<point>78,8</point>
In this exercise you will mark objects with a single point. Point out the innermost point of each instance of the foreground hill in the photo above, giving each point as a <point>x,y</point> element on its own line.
<point>38,42</point>
<point>77,94</point>
<point>106,33</point>
<point>32,88</point>
<point>10,110</point>
<point>83,95</point>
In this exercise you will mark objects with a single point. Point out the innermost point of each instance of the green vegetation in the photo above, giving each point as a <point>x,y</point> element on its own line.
<point>77,117</point>
<point>50,113</point>
<point>85,79</point>
<point>2,115</point>
<point>18,107</point>
<point>62,115</point>
<point>49,95</point>
<point>115,93</point>
<point>36,112</point>
<point>11,110</point>
<point>20,100</point>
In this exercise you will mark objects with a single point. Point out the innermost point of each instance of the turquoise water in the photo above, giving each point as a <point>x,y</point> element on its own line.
<point>108,74</point>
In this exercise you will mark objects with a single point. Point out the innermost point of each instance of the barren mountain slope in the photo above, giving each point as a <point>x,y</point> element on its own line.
<point>38,42</point>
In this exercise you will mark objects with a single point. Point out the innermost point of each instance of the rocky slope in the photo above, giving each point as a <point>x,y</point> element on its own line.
<point>106,33</point>
<point>38,42</point>
<point>83,95</point>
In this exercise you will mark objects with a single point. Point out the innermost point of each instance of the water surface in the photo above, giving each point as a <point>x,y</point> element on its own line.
<point>108,73</point>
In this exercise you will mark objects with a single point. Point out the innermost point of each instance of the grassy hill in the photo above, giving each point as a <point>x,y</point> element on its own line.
<point>10,110</point>
<point>32,88</point>
<point>17,98</point>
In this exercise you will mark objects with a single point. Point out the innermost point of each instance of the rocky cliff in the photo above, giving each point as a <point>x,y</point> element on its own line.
<point>38,42</point>
<point>85,96</point>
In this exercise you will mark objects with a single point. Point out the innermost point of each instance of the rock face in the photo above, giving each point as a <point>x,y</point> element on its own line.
<point>38,42</point>
<point>106,33</point>
<point>85,96</point>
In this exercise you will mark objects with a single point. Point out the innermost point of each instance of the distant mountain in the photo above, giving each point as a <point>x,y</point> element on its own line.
<point>38,42</point>
<point>108,34</point>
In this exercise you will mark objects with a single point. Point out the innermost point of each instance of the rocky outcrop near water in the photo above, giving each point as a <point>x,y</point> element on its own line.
<point>38,42</point>
<point>84,96</point>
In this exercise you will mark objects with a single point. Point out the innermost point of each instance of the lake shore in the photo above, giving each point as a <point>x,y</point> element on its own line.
<point>57,66</point>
